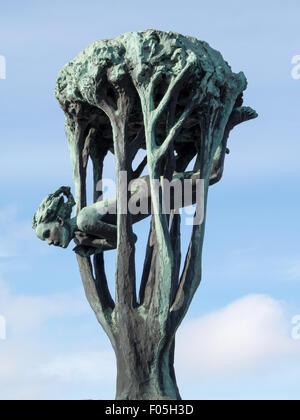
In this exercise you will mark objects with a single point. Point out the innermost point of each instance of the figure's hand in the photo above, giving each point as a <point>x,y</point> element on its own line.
<point>86,251</point>
<point>81,238</point>
<point>85,246</point>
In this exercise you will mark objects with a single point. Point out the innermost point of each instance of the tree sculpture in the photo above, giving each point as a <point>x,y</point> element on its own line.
<point>176,98</point>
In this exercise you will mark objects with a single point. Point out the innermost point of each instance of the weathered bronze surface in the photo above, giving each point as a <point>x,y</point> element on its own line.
<point>176,98</point>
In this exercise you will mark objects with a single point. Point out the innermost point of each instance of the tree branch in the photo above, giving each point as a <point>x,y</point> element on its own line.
<point>149,269</point>
<point>174,84</point>
<point>193,101</point>
<point>101,305</point>
<point>136,143</point>
<point>125,273</point>
<point>137,173</point>
<point>237,116</point>
<point>101,283</point>
<point>176,246</point>
<point>191,275</point>
<point>162,150</point>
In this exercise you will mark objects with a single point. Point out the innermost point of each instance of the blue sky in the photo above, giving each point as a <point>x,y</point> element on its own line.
<point>239,325</point>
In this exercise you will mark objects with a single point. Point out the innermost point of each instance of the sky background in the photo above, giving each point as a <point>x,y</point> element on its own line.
<point>236,341</point>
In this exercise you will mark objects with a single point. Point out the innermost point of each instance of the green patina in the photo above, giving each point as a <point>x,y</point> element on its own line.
<point>176,98</point>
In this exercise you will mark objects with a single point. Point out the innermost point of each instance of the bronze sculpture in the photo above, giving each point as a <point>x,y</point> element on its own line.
<point>176,98</point>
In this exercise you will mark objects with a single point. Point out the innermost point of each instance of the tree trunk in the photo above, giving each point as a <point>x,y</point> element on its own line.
<point>145,369</point>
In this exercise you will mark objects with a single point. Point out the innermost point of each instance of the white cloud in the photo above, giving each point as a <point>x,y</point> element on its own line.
<point>25,314</point>
<point>91,366</point>
<point>37,358</point>
<point>235,340</point>
<point>39,361</point>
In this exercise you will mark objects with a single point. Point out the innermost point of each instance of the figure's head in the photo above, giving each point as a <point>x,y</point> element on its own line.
<point>51,222</point>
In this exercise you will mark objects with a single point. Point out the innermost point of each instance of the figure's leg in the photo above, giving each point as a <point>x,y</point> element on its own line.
<point>87,245</point>
<point>89,221</point>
